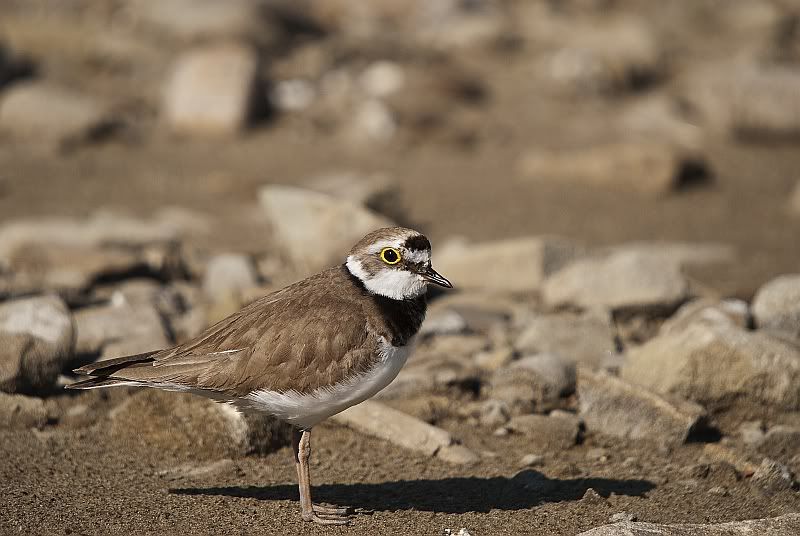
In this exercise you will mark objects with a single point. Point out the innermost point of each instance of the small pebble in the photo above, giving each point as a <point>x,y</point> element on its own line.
<point>623,517</point>
<point>722,491</point>
<point>532,460</point>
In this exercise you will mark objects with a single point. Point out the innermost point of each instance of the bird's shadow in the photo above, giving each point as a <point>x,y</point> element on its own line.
<point>448,495</point>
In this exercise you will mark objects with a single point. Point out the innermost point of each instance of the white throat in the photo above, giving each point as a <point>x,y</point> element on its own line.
<point>390,283</point>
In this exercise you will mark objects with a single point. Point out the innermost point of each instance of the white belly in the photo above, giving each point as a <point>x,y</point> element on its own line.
<point>307,409</point>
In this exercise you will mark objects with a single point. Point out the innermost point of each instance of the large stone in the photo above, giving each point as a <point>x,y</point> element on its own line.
<point>785,525</point>
<point>648,167</point>
<point>100,230</point>
<point>37,338</point>
<point>596,55</point>
<point>776,306</point>
<point>228,275</point>
<point>533,384</point>
<point>379,420</point>
<point>711,363</point>
<point>707,311</point>
<point>517,265</point>
<point>211,90</point>
<point>20,411</point>
<point>772,477</point>
<point>40,112</point>
<point>315,229</point>
<point>624,280</point>
<point>615,407</point>
<point>748,101</point>
<point>557,431</point>
<point>176,422</point>
<point>66,270</point>
<point>119,329</point>
<point>584,339</point>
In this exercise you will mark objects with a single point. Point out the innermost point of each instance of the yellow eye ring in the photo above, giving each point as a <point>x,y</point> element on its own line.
<point>390,255</point>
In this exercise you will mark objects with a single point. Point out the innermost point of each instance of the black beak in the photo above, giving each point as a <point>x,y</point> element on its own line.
<point>432,276</point>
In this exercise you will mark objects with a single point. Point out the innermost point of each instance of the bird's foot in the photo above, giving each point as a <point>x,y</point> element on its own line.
<point>324,515</point>
<point>332,510</point>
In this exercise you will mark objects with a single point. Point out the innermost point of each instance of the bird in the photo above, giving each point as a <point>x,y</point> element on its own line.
<point>303,353</point>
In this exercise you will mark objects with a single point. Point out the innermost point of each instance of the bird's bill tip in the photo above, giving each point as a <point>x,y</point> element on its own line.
<point>432,276</point>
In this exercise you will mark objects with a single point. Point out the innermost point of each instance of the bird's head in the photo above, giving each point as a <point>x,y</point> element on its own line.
<point>394,262</point>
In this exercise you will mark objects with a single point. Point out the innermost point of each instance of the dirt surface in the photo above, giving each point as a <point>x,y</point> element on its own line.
<point>457,178</point>
<point>82,482</point>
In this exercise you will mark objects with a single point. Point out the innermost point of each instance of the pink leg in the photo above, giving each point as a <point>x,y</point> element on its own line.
<point>301,444</point>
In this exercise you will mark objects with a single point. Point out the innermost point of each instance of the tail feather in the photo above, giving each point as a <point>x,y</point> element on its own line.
<point>94,383</point>
<point>100,371</point>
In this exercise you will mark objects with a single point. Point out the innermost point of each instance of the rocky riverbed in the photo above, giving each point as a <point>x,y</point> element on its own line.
<point>610,185</point>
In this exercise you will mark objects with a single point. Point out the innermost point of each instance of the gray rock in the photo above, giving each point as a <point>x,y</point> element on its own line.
<point>457,455</point>
<point>533,383</point>
<point>746,100</point>
<point>772,477</point>
<point>585,339</point>
<point>612,406</point>
<point>427,374</point>
<point>37,339</point>
<point>711,363</point>
<point>42,113</point>
<point>518,265</point>
<point>779,442</point>
<point>382,78</point>
<point>493,413</point>
<point>626,280</point>
<point>315,229</point>
<point>785,525</point>
<point>20,412</point>
<point>776,306</point>
<point>647,167</point>
<point>622,517</point>
<point>555,431</point>
<point>119,329</point>
<point>725,312</point>
<point>372,121</point>
<point>173,422</point>
<point>379,420</point>
<point>211,90</point>
<point>229,275</point>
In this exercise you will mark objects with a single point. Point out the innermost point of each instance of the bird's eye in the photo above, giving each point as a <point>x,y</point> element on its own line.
<point>390,255</point>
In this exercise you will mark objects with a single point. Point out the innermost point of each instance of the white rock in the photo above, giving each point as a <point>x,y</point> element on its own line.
<point>785,525</point>
<point>776,306</point>
<point>373,121</point>
<point>382,78</point>
<point>586,339</point>
<point>211,90</point>
<point>517,265</point>
<point>645,166</point>
<point>315,229</point>
<point>628,279</point>
<point>533,383</point>
<point>715,362</point>
<point>373,190</point>
<point>376,419</point>
<point>229,275</point>
<point>292,95</point>
<point>40,112</point>
<point>728,312</point>
<point>37,339</point>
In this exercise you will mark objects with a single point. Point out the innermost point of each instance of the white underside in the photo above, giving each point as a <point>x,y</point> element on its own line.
<point>306,410</point>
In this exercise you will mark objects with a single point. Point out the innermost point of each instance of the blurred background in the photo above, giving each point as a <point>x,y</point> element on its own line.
<point>612,186</point>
